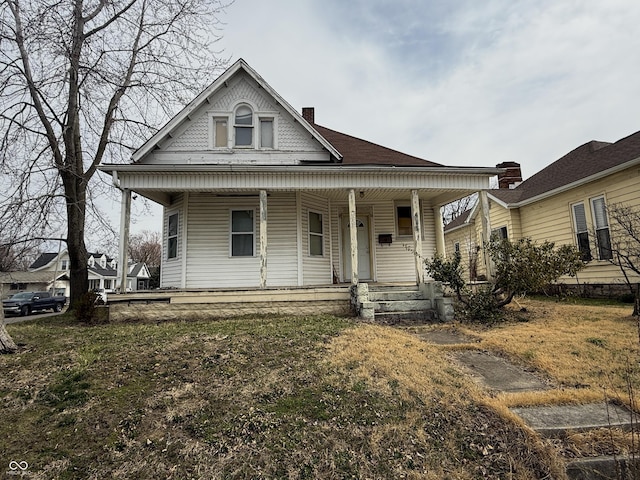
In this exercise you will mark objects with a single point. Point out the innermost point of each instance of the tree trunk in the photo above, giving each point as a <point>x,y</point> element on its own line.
<point>7,345</point>
<point>75,190</point>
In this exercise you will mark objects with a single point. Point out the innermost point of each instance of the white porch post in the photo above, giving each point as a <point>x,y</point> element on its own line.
<point>353,232</point>
<point>417,236</point>
<point>440,247</point>
<point>263,238</point>
<point>125,221</point>
<point>486,231</point>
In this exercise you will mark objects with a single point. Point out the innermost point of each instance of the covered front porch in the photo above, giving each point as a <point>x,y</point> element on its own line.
<point>236,228</point>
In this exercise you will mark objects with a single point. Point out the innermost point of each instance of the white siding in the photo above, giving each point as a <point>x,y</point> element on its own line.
<point>171,270</point>
<point>194,134</point>
<point>317,270</point>
<point>282,260</point>
<point>392,263</point>
<point>210,264</point>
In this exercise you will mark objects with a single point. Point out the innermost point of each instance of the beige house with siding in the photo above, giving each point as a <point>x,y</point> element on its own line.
<point>258,196</point>
<point>566,203</point>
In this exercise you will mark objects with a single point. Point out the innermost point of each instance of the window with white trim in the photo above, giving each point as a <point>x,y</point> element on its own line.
<point>242,232</point>
<point>220,132</point>
<point>403,220</point>
<point>266,132</point>
<point>582,231</point>
<point>172,236</point>
<point>316,234</point>
<point>601,223</point>
<point>65,265</point>
<point>243,126</point>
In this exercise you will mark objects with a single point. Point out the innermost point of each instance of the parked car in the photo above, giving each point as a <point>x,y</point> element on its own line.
<point>25,303</point>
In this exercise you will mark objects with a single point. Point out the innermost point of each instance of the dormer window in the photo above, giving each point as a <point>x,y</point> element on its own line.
<point>243,126</point>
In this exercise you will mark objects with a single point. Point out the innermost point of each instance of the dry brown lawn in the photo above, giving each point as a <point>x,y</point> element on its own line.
<point>586,352</point>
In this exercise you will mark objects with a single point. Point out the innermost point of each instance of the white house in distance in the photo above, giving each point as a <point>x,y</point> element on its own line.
<point>102,272</point>
<point>257,195</point>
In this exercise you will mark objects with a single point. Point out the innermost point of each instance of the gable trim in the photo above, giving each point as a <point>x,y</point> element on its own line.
<point>169,128</point>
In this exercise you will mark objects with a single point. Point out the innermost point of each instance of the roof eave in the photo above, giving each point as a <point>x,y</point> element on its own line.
<point>592,178</point>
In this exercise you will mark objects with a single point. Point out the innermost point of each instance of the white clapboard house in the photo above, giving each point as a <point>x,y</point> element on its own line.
<point>258,196</point>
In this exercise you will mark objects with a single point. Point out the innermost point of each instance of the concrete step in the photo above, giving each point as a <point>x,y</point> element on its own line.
<point>406,318</point>
<point>391,295</point>
<point>392,288</point>
<point>402,306</point>
<point>603,468</point>
<point>558,421</point>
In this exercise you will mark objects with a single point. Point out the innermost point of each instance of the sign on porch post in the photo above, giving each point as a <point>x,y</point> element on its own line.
<point>263,238</point>
<point>125,221</point>
<point>417,236</point>
<point>353,235</point>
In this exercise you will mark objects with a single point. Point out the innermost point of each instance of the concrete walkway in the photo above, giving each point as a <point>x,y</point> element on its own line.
<point>554,421</point>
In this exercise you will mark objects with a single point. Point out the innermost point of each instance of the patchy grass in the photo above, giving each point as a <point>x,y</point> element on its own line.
<point>267,397</point>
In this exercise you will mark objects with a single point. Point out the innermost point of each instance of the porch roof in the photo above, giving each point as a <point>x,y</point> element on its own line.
<point>440,183</point>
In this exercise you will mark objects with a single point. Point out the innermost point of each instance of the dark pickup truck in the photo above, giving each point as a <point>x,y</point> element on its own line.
<point>25,303</point>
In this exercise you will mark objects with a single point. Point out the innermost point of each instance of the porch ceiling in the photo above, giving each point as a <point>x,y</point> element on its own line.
<point>364,195</point>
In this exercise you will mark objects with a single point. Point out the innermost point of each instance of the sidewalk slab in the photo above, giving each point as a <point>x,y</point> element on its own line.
<point>556,420</point>
<point>497,373</point>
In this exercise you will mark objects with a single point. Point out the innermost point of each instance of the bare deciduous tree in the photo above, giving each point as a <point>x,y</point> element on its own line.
<point>145,247</point>
<point>625,243</point>
<point>453,210</point>
<point>84,80</point>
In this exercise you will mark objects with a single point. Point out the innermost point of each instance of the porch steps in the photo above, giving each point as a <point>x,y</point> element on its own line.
<point>403,305</point>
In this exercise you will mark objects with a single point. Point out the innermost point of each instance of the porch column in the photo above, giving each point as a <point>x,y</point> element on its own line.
<point>486,231</point>
<point>353,232</point>
<point>125,221</point>
<point>417,236</point>
<point>263,238</point>
<point>437,215</point>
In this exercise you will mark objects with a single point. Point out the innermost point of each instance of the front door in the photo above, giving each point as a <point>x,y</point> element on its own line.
<point>364,248</point>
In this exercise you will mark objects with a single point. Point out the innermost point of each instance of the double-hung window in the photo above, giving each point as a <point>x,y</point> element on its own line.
<point>220,132</point>
<point>582,231</point>
<point>172,236</point>
<point>266,133</point>
<point>601,222</point>
<point>316,234</point>
<point>403,221</point>
<point>242,233</point>
<point>243,126</point>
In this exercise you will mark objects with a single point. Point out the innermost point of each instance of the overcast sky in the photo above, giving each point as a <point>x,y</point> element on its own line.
<point>458,82</point>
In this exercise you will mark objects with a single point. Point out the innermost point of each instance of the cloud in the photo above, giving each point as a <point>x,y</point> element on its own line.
<point>459,82</point>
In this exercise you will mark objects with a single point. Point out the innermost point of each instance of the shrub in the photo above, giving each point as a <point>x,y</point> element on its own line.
<point>85,310</point>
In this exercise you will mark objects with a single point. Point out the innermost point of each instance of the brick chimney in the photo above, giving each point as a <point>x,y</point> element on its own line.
<point>512,177</point>
<point>309,114</point>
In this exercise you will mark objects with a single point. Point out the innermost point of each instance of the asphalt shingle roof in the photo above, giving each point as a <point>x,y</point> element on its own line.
<point>356,151</point>
<point>42,260</point>
<point>589,159</point>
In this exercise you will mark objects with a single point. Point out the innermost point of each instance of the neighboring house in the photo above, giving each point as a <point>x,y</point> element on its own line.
<point>14,282</point>
<point>565,203</point>
<point>102,272</point>
<point>257,195</point>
